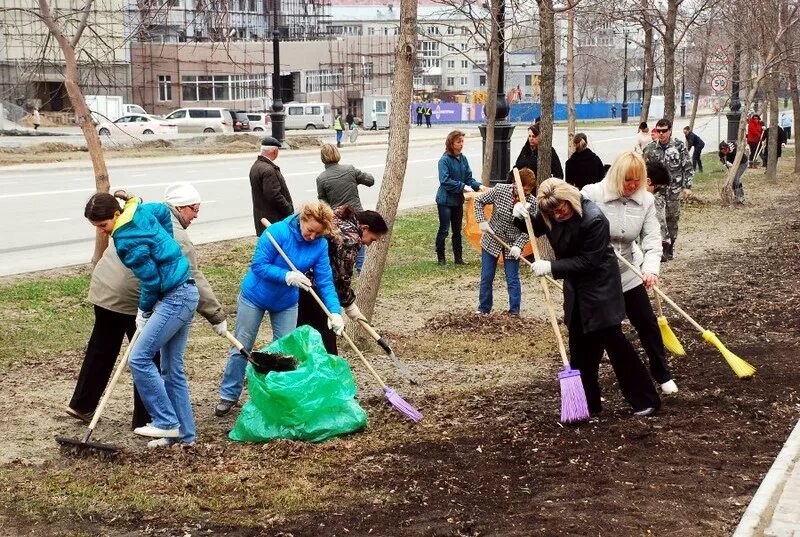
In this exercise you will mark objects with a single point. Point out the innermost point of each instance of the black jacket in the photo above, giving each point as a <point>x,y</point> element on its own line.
<point>693,140</point>
<point>529,158</point>
<point>271,198</point>
<point>586,262</point>
<point>584,168</point>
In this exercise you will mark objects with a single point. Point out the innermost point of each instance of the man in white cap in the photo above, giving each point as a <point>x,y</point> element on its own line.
<point>271,198</point>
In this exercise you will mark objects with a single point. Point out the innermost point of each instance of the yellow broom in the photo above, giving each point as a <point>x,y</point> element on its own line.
<point>667,335</point>
<point>739,366</point>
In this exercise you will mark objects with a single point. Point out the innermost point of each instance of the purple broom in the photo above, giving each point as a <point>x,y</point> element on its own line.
<point>391,396</point>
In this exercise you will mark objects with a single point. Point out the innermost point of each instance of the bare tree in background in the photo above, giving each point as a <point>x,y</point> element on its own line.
<point>571,122</point>
<point>396,159</point>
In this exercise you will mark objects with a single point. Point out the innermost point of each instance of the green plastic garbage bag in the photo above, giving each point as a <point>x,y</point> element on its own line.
<point>313,403</point>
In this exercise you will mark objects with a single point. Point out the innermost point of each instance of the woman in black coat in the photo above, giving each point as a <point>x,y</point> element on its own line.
<point>584,167</point>
<point>529,156</point>
<point>593,304</point>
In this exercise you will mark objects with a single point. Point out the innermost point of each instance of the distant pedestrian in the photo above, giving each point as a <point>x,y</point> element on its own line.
<point>786,124</point>
<point>420,113</point>
<point>583,167</point>
<point>428,112</point>
<point>765,143</point>
<point>613,111</point>
<point>694,141</point>
<point>271,198</point>
<point>37,119</point>
<point>349,121</point>
<point>338,126</point>
<point>755,132</point>
<point>727,154</point>
<point>373,116</point>
<point>642,138</point>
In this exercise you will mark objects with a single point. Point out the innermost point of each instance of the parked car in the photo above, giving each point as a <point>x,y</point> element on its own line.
<point>136,124</point>
<point>207,120</point>
<point>133,109</point>
<point>259,121</point>
<point>240,120</point>
<point>308,116</point>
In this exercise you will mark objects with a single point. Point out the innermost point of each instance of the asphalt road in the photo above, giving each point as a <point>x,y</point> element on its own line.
<point>41,207</point>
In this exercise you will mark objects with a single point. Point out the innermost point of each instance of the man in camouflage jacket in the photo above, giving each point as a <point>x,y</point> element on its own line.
<point>672,153</point>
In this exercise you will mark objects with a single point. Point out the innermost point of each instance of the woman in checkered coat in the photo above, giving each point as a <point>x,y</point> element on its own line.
<point>502,197</point>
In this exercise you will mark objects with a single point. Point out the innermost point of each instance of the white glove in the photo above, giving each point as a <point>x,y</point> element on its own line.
<point>515,252</point>
<point>354,313</point>
<point>297,279</point>
<point>142,318</point>
<point>728,164</point>
<point>485,227</point>
<point>468,188</point>
<point>336,323</point>
<point>220,328</point>
<point>541,267</point>
<point>520,209</point>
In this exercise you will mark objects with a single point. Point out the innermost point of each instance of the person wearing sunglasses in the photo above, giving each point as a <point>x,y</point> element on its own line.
<point>672,153</point>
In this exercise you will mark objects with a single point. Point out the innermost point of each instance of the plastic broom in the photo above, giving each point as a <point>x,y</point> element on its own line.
<point>573,398</point>
<point>669,338</point>
<point>739,366</point>
<point>391,396</point>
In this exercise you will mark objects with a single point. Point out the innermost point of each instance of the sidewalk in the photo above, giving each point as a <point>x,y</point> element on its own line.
<point>774,511</point>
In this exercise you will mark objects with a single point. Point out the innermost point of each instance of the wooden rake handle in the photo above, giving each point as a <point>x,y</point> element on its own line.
<point>117,374</point>
<point>322,304</point>
<point>660,293</point>
<point>505,245</point>
<point>548,301</point>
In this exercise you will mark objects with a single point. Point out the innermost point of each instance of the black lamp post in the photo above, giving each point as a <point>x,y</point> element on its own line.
<point>277,115</point>
<point>623,113</point>
<point>736,105</point>
<point>503,129</point>
<point>683,84</point>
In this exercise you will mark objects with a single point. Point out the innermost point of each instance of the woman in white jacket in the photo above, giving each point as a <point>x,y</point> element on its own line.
<point>630,209</point>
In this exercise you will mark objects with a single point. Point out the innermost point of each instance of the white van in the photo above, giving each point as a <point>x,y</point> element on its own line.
<point>207,120</point>
<point>308,115</point>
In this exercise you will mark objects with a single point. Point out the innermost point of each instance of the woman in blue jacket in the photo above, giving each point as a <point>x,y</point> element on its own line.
<point>168,297</point>
<point>270,286</point>
<point>455,178</point>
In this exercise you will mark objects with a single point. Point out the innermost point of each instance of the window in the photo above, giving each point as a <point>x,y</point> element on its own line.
<point>213,113</point>
<point>178,114</point>
<point>385,30</point>
<point>197,113</point>
<point>451,81</point>
<point>164,88</point>
<point>433,30</point>
<point>295,110</point>
<point>253,5</point>
<point>528,80</point>
<point>313,110</point>
<point>463,81</point>
<point>482,80</point>
<point>451,30</point>
<point>224,87</point>
<point>465,64</point>
<point>430,54</point>
<point>464,46</point>
<point>370,31</point>
<point>464,30</point>
<point>451,64</point>
<point>323,79</point>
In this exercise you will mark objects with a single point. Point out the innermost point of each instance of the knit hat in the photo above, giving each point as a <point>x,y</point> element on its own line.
<point>181,194</point>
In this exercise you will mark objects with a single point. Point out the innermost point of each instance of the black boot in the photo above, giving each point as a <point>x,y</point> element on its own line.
<point>440,257</point>
<point>460,261</point>
<point>664,251</point>
<point>671,250</point>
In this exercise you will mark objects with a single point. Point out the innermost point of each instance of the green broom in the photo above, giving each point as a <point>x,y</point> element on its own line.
<point>739,366</point>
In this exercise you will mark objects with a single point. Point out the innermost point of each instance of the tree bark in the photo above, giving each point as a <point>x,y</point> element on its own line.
<point>669,59</point>
<point>571,123</point>
<point>796,120</point>
<point>548,86</point>
<point>771,173</point>
<point>396,159</point>
<point>493,66</point>
<point>700,76</point>
<point>649,66</point>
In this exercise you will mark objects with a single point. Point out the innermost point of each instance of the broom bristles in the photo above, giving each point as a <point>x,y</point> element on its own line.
<point>573,398</point>
<point>400,404</point>
<point>739,366</point>
<point>669,338</point>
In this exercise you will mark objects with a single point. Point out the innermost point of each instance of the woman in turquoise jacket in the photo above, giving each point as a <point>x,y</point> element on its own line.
<point>270,286</point>
<point>168,297</point>
<point>455,178</point>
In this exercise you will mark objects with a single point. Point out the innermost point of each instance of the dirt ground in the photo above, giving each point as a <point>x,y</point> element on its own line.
<point>490,457</point>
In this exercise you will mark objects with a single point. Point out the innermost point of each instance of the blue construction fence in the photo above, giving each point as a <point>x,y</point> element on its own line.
<point>444,112</point>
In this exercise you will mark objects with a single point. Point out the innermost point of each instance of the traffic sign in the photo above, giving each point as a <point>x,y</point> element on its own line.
<point>719,83</point>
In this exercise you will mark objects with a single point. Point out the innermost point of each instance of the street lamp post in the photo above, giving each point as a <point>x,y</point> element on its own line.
<point>736,105</point>
<point>623,114</point>
<point>683,84</point>
<point>503,129</point>
<point>277,115</point>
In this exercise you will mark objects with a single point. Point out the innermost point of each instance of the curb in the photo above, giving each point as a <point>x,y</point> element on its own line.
<point>759,513</point>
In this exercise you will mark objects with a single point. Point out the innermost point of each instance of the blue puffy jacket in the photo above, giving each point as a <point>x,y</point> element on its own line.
<point>144,242</point>
<point>265,285</point>
<point>454,173</point>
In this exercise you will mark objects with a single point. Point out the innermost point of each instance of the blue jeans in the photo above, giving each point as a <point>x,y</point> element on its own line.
<point>362,253</point>
<point>488,268</point>
<point>449,217</point>
<point>166,394</point>
<point>339,135</point>
<point>248,321</point>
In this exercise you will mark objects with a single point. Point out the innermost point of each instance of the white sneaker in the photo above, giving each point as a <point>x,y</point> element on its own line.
<point>154,432</point>
<point>645,412</point>
<point>159,442</point>
<point>669,387</point>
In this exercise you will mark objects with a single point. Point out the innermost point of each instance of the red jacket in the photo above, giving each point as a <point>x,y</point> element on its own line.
<point>754,128</point>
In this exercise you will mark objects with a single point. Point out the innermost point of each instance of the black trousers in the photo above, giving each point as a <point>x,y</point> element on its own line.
<point>419,120</point>
<point>110,328</point>
<point>586,352</point>
<point>640,314</point>
<point>697,163</point>
<point>450,217</point>
<point>309,312</point>
<point>428,120</point>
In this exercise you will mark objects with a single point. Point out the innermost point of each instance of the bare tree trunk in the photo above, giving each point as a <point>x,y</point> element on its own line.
<point>396,159</point>
<point>773,141</point>
<point>82,113</point>
<point>548,86</point>
<point>669,59</point>
<point>571,123</point>
<point>649,66</point>
<point>493,66</point>
<point>700,76</point>
<point>796,111</point>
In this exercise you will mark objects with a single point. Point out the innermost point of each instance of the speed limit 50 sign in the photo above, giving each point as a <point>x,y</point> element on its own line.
<point>719,83</point>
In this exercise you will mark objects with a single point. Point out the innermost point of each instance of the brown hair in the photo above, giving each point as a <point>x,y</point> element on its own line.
<point>535,130</point>
<point>320,212</point>
<point>580,141</point>
<point>102,205</point>
<point>329,154</point>
<point>451,139</point>
<point>528,178</point>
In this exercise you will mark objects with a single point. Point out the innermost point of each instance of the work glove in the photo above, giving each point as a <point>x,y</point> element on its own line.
<point>336,323</point>
<point>297,279</point>
<point>220,328</point>
<point>354,313</point>
<point>541,267</point>
<point>728,165</point>
<point>486,228</point>
<point>515,252</point>
<point>142,318</point>
<point>468,188</point>
<point>520,209</point>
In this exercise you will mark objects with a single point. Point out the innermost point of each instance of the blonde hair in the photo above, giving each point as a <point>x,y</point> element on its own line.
<point>626,164</point>
<point>320,212</point>
<point>329,154</point>
<point>552,192</point>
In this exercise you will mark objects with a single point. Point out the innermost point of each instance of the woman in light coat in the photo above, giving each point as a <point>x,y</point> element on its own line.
<point>630,209</point>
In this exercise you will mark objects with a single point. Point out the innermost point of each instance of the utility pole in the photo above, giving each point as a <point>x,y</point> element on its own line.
<point>736,105</point>
<point>623,115</point>
<point>683,84</point>
<point>277,115</point>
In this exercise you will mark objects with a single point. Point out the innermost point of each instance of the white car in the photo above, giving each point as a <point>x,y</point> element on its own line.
<point>259,121</point>
<point>137,124</point>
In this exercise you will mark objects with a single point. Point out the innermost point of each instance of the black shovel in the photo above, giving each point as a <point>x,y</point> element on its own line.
<point>264,362</point>
<point>403,368</point>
